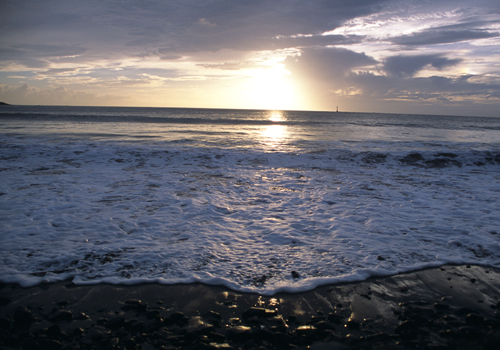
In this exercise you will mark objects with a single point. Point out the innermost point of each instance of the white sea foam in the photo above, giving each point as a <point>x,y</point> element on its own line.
<point>99,210</point>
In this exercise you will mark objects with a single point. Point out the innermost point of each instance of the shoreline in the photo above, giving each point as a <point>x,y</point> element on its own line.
<point>448,306</point>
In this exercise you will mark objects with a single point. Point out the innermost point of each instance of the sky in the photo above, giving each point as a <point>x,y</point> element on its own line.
<point>386,56</point>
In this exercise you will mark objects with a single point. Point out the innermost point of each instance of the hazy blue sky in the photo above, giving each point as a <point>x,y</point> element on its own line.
<point>420,56</point>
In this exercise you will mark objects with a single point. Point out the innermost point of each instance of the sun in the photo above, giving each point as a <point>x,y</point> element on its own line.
<point>273,88</point>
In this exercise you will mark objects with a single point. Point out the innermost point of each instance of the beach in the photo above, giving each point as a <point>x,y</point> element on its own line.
<point>455,307</point>
<point>250,175</point>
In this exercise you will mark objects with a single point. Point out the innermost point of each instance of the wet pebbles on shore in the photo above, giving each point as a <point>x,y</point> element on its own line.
<point>453,307</point>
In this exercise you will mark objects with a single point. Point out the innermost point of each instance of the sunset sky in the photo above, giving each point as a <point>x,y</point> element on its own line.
<point>420,56</point>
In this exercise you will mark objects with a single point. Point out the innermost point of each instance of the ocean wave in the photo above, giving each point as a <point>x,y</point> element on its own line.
<point>252,219</point>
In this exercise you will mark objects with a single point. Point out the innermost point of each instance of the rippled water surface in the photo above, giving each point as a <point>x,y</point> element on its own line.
<point>242,198</point>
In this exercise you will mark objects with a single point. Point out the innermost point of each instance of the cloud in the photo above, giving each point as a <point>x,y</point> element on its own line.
<point>340,77</point>
<point>170,57</point>
<point>424,89</point>
<point>229,65</point>
<point>442,36</point>
<point>256,25</point>
<point>35,55</point>
<point>314,40</point>
<point>179,25</point>
<point>46,51</point>
<point>149,47</point>
<point>408,66</point>
<point>57,71</point>
<point>56,96</point>
<point>327,63</point>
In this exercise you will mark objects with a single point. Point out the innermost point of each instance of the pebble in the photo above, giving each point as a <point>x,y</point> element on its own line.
<point>49,344</point>
<point>63,315</point>
<point>22,317</point>
<point>335,318</point>
<point>77,332</point>
<point>98,333</point>
<point>322,325</point>
<point>212,315</point>
<point>153,314</point>
<point>306,330</point>
<point>407,328</point>
<point>198,328</point>
<point>130,343</point>
<point>4,301</point>
<point>31,345</point>
<point>239,333</point>
<point>54,332</point>
<point>80,317</point>
<point>134,304</point>
<point>421,325</point>
<point>474,320</point>
<point>259,312</point>
<point>115,322</point>
<point>441,306</point>
<point>4,323</point>
<point>352,324</point>
<point>216,337</point>
<point>179,318</point>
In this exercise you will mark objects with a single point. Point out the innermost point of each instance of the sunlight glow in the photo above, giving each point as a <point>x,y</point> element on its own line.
<point>273,88</point>
<point>386,25</point>
<point>276,133</point>
<point>276,116</point>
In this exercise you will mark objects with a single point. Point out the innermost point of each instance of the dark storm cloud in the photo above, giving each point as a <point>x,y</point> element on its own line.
<point>408,66</point>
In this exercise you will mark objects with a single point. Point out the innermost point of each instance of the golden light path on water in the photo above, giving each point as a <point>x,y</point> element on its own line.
<point>275,134</point>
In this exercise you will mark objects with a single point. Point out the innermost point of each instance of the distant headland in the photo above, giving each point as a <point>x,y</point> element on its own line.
<point>4,104</point>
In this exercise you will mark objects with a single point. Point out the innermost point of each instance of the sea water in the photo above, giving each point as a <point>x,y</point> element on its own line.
<point>258,201</point>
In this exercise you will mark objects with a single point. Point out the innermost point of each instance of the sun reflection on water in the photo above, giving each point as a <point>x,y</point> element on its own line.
<point>276,116</point>
<point>275,133</point>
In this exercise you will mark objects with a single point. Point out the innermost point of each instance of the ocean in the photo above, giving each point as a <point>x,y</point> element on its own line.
<point>258,201</point>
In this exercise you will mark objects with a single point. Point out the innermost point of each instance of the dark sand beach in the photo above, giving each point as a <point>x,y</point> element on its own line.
<point>450,307</point>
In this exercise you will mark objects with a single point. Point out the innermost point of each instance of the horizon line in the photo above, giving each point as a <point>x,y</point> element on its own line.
<point>249,109</point>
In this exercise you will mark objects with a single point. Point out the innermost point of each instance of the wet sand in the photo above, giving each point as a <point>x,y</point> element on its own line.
<point>448,307</point>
